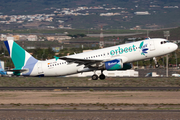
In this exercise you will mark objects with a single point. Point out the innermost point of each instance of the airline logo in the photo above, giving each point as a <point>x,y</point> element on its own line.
<point>130,49</point>
<point>143,48</point>
<point>113,64</point>
<point>123,50</point>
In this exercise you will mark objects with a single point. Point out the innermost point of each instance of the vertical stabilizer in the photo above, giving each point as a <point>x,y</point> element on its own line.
<point>2,72</point>
<point>20,57</point>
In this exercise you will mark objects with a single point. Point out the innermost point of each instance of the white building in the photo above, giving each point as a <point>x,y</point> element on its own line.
<point>142,13</point>
<point>3,37</point>
<point>126,73</point>
<point>32,38</point>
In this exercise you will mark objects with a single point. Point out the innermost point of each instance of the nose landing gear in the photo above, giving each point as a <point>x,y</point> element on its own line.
<point>156,63</point>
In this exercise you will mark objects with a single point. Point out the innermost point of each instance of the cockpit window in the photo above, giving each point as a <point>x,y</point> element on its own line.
<point>163,42</point>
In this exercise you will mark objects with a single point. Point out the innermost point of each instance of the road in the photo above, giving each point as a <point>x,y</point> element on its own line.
<point>95,88</point>
<point>91,115</point>
<point>107,35</point>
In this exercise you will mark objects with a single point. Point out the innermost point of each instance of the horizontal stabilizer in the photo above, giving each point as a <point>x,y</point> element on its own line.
<point>17,70</point>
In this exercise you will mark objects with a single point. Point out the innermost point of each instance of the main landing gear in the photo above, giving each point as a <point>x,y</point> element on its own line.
<point>95,77</point>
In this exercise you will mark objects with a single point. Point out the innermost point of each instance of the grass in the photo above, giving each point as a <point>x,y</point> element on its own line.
<point>73,31</point>
<point>84,82</point>
<point>97,106</point>
<point>7,95</point>
<point>59,95</point>
<point>167,108</point>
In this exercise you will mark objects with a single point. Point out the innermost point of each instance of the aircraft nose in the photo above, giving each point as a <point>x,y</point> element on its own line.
<point>175,46</point>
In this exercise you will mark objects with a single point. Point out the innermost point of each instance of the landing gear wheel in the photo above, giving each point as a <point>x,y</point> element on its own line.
<point>157,65</point>
<point>102,77</point>
<point>94,77</point>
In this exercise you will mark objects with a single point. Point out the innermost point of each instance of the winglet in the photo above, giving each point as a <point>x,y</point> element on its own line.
<point>56,57</point>
<point>141,45</point>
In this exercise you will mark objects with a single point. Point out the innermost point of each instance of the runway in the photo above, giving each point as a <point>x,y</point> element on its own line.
<point>62,110</point>
<point>55,115</point>
<point>95,88</point>
<point>135,103</point>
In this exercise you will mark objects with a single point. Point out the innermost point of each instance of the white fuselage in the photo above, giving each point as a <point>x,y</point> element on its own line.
<point>127,52</point>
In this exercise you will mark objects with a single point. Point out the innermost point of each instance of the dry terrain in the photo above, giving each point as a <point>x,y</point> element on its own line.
<point>87,82</point>
<point>87,100</point>
<point>105,105</point>
<point>87,97</point>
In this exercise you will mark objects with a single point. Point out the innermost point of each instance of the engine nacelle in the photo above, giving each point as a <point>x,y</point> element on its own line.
<point>115,64</point>
<point>126,66</point>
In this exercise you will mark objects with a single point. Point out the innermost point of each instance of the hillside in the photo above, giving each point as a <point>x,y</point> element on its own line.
<point>114,14</point>
<point>38,6</point>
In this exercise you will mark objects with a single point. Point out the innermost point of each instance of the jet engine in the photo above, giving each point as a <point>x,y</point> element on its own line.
<point>126,66</point>
<point>117,64</point>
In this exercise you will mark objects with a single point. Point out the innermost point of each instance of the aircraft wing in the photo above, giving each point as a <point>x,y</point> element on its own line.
<point>88,62</point>
<point>79,61</point>
<point>17,70</point>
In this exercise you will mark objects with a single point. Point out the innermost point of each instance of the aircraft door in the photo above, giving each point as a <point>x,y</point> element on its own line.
<point>40,70</point>
<point>151,45</point>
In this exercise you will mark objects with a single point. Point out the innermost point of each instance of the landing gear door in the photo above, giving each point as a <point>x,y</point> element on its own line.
<point>151,45</point>
<point>40,71</point>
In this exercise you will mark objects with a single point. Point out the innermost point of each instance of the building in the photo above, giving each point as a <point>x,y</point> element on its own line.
<point>59,38</point>
<point>56,49</point>
<point>50,38</point>
<point>3,37</point>
<point>124,73</point>
<point>16,37</point>
<point>22,37</point>
<point>32,38</point>
<point>142,13</point>
<point>62,38</point>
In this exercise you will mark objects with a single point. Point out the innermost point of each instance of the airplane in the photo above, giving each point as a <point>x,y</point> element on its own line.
<point>2,71</point>
<point>117,57</point>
